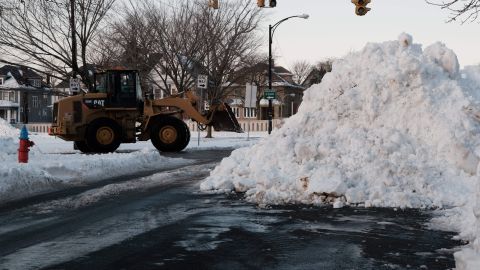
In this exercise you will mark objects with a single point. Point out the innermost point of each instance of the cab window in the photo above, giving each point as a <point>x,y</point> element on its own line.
<point>100,83</point>
<point>127,83</point>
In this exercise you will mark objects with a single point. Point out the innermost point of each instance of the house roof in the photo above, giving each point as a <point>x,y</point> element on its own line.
<point>280,74</point>
<point>21,74</point>
<point>276,69</point>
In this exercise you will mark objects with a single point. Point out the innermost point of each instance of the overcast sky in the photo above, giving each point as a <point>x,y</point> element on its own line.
<point>333,29</point>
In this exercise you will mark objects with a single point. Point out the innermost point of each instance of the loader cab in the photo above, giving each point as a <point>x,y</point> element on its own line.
<point>121,86</point>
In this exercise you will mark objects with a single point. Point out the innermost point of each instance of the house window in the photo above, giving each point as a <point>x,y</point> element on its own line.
<point>1,81</point>
<point>36,83</point>
<point>250,113</point>
<point>236,111</point>
<point>35,101</point>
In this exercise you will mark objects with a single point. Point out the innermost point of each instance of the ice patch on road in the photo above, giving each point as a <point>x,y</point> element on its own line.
<point>109,191</point>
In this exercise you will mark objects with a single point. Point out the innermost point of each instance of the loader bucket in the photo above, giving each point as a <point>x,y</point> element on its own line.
<point>224,119</point>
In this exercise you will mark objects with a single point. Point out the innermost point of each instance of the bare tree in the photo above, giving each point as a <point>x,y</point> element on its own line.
<point>130,41</point>
<point>300,70</point>
<point>231,39</point>
<point>465,10</point>
<point>181,45</point>
<point>52,34</point>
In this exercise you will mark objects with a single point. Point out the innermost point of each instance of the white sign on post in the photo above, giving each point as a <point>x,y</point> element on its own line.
<point>202,81</point>
<point>75,85</point>
<point>251,96</point>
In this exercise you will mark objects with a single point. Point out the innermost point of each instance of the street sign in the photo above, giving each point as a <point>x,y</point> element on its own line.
<point>251,96</point>
<point>202,81</point>
<point>269,94</point>
<point>75,85</point>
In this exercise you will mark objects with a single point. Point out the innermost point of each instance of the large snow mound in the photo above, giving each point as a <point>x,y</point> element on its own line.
<point>392,125</point>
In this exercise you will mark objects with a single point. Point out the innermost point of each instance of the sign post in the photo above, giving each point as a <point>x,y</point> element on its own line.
<point>270,94</point>
<point>75,85</point>
<point>202,81</point>
<point>202,84</point>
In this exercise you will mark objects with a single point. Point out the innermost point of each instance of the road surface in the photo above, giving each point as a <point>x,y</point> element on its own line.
<point>159,220</point>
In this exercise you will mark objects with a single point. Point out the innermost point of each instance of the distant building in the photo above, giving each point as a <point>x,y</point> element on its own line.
<point>23,89</point>
<point>289,94</point>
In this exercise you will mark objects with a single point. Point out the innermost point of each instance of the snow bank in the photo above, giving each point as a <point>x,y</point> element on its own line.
<point>391,126</point>
<point>47,172</point>
<point>52,171</point>
<point>7,135</point>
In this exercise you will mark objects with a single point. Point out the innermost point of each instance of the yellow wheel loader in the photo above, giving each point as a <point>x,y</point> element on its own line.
<point>116,112</point>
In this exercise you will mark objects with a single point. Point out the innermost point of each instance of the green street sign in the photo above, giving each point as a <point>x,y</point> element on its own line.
<point>269,94</point>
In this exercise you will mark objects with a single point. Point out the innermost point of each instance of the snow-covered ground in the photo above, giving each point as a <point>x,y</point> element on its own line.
<point>54,164</point>
<point>394,125</point>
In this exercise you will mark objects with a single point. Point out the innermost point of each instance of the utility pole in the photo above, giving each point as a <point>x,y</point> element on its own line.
<point>270,66</point>
<point>271,31</point>
<point>74,39</point>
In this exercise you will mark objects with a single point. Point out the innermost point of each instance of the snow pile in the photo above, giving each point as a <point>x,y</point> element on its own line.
<point>6,130</point>
<point>7,139</point>
<point>61,171</point>
<point>469,257</point>
<point>392,126</point>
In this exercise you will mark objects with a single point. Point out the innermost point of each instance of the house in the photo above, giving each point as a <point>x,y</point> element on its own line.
<point>22,89</point>
<point>288,93</point>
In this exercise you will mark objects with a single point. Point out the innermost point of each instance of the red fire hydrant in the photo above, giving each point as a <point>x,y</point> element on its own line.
<point>24,147</point>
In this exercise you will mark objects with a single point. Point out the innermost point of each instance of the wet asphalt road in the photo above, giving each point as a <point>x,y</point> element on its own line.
<point>120,224</point>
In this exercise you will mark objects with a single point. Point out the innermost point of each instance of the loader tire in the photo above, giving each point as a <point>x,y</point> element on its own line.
<point>103,136</point>
<point>169,134</point>
<point>82,146</point>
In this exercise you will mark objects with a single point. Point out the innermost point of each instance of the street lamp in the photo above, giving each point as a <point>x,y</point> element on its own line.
<point>271,31</point>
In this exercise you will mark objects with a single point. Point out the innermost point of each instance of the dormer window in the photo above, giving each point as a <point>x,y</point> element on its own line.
<point>36,83</point>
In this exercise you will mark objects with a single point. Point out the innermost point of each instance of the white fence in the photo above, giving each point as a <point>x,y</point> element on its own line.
<point>35,127</point>
<point>252,125</point>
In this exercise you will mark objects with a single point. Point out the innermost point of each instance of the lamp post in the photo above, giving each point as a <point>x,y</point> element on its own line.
<point>271,31</point>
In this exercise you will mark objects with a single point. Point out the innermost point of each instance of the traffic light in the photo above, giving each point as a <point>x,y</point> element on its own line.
<point>273,3</point>
<point>361,7</point>
<point>213,4</point>
<point>261,3</point>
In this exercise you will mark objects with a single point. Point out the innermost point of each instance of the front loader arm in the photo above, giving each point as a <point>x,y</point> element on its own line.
<point>185,105</point>
<point>220,116</point>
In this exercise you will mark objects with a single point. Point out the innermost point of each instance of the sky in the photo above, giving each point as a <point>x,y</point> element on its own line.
<point>334,30</point>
